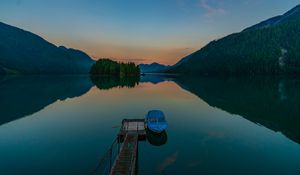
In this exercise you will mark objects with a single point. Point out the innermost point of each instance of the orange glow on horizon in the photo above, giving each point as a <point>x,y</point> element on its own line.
<point>138,54</point>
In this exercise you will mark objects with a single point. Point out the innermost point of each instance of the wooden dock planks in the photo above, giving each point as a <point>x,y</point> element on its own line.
<point>133,126</point>
<point>131,132</point>
<point>126,160</point>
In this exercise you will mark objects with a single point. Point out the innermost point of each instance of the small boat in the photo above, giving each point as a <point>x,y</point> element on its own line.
<point>156,122</point>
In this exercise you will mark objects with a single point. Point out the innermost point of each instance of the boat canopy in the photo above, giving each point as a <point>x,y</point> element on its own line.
<point>155,115</point>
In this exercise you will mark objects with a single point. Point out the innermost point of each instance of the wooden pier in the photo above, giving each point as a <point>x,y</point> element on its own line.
<point>127,158</point>
<point>131,132</point>
<point>133,126</point>
<point>125,162</point>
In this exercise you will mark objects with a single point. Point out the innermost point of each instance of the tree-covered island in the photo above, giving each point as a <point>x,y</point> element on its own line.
<point>107,67</point>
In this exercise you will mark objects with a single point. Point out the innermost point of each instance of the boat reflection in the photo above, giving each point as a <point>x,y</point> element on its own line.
<point>156,139</point>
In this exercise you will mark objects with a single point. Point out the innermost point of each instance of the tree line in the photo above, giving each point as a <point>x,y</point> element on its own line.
<point>109,67</point>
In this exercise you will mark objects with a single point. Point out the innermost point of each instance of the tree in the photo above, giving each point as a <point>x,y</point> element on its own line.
<point>109,67</point>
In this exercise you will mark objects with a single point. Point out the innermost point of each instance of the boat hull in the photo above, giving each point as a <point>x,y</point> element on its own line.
<point>155,121</point>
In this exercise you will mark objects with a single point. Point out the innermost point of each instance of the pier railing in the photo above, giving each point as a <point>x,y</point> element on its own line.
<point>121,157</point>
<point>106,162</point>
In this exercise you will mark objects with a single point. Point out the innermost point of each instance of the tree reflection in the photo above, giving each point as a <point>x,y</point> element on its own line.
<point>108,82</point>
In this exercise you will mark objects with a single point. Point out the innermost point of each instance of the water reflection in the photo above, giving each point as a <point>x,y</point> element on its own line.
<point>69,137</point>
<point>155,79</point>
<point>156,139</point>
<point>271,102</point>
<point>24,95</point>
<point>108,82</point>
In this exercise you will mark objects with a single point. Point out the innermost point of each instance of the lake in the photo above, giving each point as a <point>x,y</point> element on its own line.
<point>217,125</point>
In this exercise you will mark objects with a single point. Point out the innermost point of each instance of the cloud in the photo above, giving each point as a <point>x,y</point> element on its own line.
<point>210,10</point>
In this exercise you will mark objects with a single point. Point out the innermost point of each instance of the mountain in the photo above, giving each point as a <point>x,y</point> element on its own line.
<point>270,47</point>
<point>24,52</point>
<point>153,68</point>
<point>288,16</point>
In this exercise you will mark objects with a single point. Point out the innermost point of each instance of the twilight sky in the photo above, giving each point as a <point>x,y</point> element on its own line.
<point>138,30</point>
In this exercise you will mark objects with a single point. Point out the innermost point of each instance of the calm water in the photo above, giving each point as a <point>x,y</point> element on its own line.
<point>63,125</point>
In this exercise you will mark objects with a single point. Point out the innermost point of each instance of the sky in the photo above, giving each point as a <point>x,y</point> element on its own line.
<point>142,31</point>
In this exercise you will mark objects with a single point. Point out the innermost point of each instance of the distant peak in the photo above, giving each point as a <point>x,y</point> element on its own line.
<point>155,63</point>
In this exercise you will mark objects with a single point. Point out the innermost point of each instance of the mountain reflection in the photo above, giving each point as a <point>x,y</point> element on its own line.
<point>24,95</point>
<point>108,82</point>
<point>271,102</point>
<point>155,78</point>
